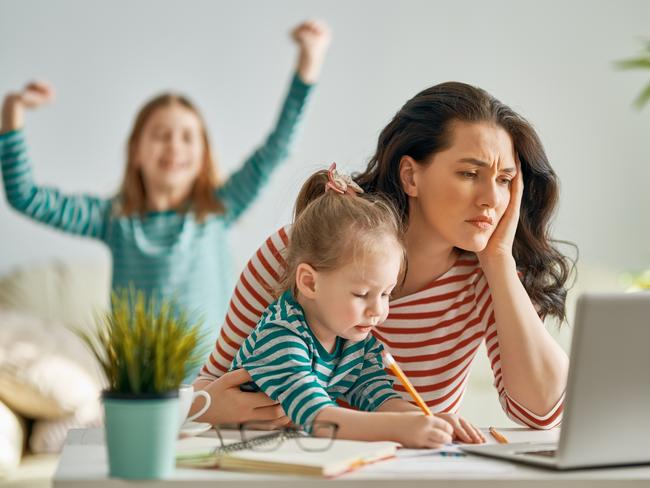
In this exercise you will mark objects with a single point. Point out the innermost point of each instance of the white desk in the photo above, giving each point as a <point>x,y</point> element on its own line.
<point>83,464</point>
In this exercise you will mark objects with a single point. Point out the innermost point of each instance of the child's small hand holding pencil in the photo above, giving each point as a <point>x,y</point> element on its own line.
<point>462,429</point>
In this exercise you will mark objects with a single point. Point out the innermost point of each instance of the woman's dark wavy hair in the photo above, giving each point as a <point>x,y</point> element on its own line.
<point>423,127</point>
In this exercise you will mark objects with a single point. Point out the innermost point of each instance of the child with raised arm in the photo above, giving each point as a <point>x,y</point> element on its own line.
<point>166,228</point>
<point>314,345</point>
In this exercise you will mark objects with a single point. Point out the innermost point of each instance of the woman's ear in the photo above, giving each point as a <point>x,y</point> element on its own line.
<point>407,171</point>
<point>306,277</point>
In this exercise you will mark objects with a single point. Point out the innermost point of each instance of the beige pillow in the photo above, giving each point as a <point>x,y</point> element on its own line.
<point>45,370</point>
<point>48,436</point>
<point>12,439</point>
<point>68,293</point>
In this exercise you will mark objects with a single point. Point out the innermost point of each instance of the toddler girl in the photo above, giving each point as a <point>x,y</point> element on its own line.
<point>314,345</point>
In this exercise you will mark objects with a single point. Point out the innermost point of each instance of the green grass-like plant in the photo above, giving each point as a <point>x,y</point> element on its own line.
<point>144,347</point>
<point>640,62</point>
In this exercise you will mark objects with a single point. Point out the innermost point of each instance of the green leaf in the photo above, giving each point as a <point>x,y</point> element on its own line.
<point>635,63</point>
<point>643,98</point>
<point>143,346</point>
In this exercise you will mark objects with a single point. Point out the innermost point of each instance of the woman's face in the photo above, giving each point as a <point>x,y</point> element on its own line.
<point>461,193</point>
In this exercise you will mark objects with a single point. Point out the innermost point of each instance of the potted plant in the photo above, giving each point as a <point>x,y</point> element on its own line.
<point>145,350</point>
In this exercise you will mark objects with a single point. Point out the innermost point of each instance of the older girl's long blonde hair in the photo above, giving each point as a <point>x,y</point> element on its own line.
<point>133,198</point>
<point>331,230</point>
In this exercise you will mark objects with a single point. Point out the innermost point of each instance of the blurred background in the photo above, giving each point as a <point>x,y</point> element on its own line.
<point>551,61</point>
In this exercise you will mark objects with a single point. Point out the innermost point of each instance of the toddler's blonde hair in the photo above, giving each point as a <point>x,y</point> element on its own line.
<point>331,230</point>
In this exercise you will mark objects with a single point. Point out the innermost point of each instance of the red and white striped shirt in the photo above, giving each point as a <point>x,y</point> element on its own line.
<point>433,334</point>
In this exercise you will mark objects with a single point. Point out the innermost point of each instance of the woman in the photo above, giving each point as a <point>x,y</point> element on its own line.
<point>475,191</point>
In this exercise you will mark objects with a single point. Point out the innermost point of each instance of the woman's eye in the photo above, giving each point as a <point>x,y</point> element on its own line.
<point>505,181</point>
<point>360,295</point>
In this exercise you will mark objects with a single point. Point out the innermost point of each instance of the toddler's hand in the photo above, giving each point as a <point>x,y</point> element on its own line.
<point>463,430</point>
<point>416,430</point>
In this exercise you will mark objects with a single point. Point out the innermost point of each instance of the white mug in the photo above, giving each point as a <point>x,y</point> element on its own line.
<point>186,397</point>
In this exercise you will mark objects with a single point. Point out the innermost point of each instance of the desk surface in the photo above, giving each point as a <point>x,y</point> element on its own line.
<point>83,463</point>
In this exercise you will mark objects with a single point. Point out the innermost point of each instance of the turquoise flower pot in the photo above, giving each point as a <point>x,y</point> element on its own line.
<point>141,432</point>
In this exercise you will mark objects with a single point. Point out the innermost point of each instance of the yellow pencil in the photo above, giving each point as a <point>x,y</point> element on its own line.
<point>498,436</point>
<point>392,364</point>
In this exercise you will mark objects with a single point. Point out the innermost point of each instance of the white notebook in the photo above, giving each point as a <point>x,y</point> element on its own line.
<point>287,458</point>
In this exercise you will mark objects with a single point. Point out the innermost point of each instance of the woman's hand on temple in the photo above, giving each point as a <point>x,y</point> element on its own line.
<point>500,244</point>
<point>230,405</point>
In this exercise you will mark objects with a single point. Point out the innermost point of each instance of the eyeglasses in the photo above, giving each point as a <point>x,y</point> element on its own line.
<point>262,436</point>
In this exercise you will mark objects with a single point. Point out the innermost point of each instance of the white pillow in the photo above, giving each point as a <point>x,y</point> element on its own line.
<point>12,439</point>
<point>48,436</point>
<point>69,293</point>
<point>45,370</point>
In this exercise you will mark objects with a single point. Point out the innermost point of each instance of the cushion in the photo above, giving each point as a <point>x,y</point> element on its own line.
<point>69,293</point>
<point>45,370</point>
<point>12,439</point>
<point>48,436</point>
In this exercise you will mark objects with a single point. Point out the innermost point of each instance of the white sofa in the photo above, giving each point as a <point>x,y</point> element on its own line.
<point>58,294</point>
<point>48,380</point>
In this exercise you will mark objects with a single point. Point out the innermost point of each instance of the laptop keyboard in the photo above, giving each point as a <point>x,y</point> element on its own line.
<point>547,453</point>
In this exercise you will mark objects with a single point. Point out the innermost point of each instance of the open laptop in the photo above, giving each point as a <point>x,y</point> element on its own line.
<point>607,405</point>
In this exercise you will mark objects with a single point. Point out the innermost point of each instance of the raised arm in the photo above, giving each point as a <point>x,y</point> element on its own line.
<point>241,189</point>
<point>516,409</point>
<point>530,368</point>
<point>313,38</point>
<point>76,214</point>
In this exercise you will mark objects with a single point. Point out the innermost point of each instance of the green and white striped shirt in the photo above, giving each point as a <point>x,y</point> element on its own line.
<point>288,363</point>
<point>168,254</point>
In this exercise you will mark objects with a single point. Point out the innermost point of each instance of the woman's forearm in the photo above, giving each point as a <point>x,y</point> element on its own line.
<point>533,365</point>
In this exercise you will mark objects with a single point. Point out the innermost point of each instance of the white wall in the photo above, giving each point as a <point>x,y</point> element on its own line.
<point>550,60</point>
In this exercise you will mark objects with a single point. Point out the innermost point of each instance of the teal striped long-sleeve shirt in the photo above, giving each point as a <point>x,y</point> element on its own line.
<point>166,254</point>
<point>288,363</point>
